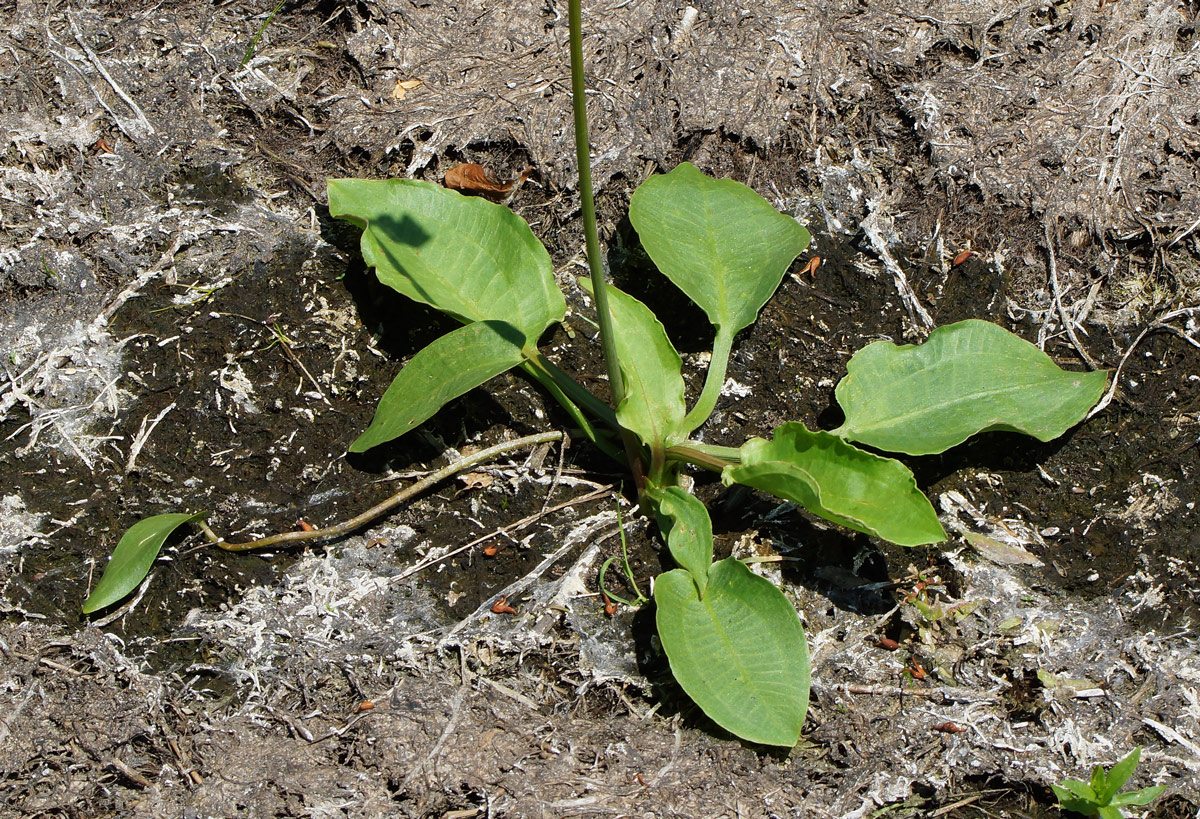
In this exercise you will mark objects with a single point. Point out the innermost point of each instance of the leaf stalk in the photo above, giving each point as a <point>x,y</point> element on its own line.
<point>348,526</point>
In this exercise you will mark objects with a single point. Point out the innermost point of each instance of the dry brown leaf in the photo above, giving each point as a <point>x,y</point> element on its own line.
<point>1002,554</point>
<point>475,180</point>
<point>476,480</point>
<point>403,87</point>
<point>472,178</point>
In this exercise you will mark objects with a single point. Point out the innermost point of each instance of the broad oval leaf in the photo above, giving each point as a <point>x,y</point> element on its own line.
<point>133,557</point>
<point>839,482</point>
<point>968,377</point>
<point>739,653</point>
<point>465,256</point>
<point>688,530</point>
<point>457,362</point>
<point>653,407</point>
<point>720,242</point>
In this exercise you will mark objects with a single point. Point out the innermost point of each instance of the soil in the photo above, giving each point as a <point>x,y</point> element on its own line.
<point>185,328</point>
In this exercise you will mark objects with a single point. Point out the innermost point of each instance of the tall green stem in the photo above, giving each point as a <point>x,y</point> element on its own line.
<point>608,338</point>
<point>591,236</point>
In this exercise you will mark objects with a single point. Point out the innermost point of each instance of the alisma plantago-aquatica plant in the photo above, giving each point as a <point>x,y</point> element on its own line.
<point>733,640</point>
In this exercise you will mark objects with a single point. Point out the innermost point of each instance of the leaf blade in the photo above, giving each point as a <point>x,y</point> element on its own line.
<point>1143,797</point>
<point>452,365</point>
<point>966,378</point>
<point>688,530</point>
<point>740,653</point>
<point>839,482</point>
<point>717,240</point>
<point>1118,775</point>
<point>470,258</point>
<point>136,552</point>
<point>653,407</point>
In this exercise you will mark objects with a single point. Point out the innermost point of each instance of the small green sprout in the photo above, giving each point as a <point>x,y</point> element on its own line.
<point>608,595</point>
<point>1099,797</point>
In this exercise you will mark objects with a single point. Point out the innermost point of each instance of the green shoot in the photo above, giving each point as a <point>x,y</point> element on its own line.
<point>250,49</point>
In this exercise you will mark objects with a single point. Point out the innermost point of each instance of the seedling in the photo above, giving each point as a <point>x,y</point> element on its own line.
<point>1100,796</point>
<point>629,576</point>
<point>734,641</point>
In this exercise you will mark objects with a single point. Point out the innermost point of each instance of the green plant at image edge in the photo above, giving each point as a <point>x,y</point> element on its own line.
<point>1100,796</point>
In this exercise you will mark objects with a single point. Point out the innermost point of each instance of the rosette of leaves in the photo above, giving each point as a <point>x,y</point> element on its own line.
<point>733,639</point>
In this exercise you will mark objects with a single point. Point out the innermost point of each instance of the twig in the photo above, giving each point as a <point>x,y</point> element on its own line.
<point>562,454</point>
<point>133,106</point>
<point>872,230</point>
<point>15,711</point>
<point>580,532</point>
<point>164,261</point>
<point>286,345</point>
<point>1157,324</point>
<point>429,767</point>
<point>1171,735</point>
<point>961,803</point>
<point>512,527</point>
<point>1068,325</point>
<point>143,435</point>
<point>945,693</point>
<point>1183,233</point>
<point>395,500</point>
<point>128,607</point>
<point>131,773</point>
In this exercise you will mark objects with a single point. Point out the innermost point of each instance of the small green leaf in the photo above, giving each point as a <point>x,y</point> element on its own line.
<point>966,378</point>
<point>457,362</point>
<point>832,479</point>
<point>688,530</point>
<point>1118,775</point>
<point>739,653</point>
<point>465,256</point>
<point>1082,804</point>
<point>1073,787</point>
<point>1108,812</point>
<point>1143,797</point>
<point>653,406</point>
<point>1099,785</point>
<point>133,557</point>
<point>720,242</point>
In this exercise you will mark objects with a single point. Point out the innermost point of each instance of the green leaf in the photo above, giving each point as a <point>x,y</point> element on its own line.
<point>1143,797</point>
<point>724,246</point>
<point>1099,785</point>
<point>688,530</point>
<point>739,653</point>
<point>465,256</point>
<point>839,482</point>
<point>457,362</point>
<point>720,242</point>
<point>1108,812</point>
<point>653,406</point>
<point>1077,804</point>
<point>133,557</point>
<point>1118,775</point>
<point>1073,787</point>
<point>966,378</point>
